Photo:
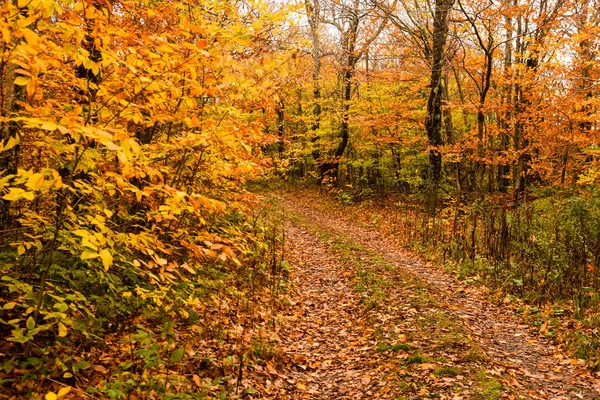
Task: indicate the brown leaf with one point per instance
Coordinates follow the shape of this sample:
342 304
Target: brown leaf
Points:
299 358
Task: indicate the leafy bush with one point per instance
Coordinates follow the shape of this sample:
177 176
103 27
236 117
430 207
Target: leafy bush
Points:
126 238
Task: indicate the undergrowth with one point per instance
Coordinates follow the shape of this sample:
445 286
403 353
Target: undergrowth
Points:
188 330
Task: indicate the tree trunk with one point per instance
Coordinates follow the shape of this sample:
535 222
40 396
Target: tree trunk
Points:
280 111
504 118
10 131
330 168
433 121
313 10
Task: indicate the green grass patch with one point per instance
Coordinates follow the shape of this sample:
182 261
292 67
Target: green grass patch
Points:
474 355
416 359
394 347
446 372
487 388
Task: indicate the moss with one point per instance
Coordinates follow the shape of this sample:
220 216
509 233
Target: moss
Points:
446 371
416 359
394 347
487 388
474 355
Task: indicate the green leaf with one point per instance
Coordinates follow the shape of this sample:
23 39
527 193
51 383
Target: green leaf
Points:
30 323
83 364
18 336
177 355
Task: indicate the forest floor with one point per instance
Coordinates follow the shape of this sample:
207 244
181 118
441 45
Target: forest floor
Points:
370 320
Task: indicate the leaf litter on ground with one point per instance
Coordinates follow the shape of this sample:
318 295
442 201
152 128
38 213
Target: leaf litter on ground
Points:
370 320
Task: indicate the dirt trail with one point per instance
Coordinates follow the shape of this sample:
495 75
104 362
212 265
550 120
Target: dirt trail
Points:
327 361
371 321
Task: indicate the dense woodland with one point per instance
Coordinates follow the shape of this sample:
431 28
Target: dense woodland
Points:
130 131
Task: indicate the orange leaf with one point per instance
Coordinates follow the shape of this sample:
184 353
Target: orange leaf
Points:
197 381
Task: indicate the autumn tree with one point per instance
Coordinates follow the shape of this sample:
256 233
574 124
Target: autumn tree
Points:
127 133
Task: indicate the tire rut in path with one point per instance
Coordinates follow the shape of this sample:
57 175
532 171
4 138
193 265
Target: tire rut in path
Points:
540 370
328 362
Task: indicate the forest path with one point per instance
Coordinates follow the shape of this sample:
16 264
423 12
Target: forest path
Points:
371 321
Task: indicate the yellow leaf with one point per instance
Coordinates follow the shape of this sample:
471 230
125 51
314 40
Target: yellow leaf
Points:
197 29
32 87
107 258
134 146
195 122
110 145
27 21
188 268
12 142
20 250
6 35
30 36
15 194
87 242
51 396
81 232
49 126
62 332
64 391
165 49
22 80
88 255
35 182
243 41
9 306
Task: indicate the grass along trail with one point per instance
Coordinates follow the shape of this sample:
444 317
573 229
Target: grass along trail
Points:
369 321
